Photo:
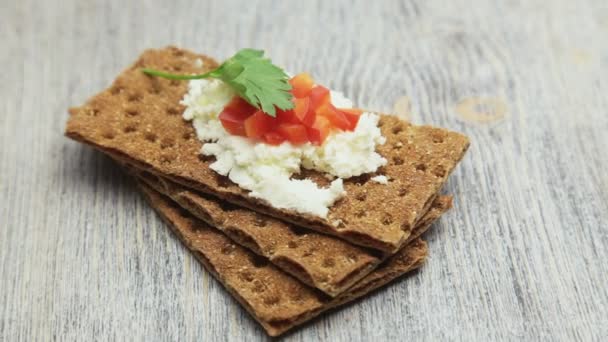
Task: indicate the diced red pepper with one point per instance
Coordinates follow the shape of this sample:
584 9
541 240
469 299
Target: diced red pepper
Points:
285 116
312 118
334 116
234 115
319 95
258 124
352 115
273 138
319 130
239 105
303 112
301 85
294 133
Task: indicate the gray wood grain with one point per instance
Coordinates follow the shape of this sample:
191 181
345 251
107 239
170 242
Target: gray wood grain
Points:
522 256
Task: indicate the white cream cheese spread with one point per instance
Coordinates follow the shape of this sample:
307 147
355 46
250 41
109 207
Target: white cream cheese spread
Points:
266 170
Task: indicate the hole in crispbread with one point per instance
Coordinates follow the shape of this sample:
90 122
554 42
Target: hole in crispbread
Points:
130 128
174 83
135 97
132 112
172 111
259 261
397 129
187 136
260 222
109 135
176 68
361 213
246 276
398 161
360 180
151 137
439 171
292 244
167 158
437 139
258 286
166 143
155 87
421 167
93 112
206 159
387 219
361 196
329 262
272 299
296 295
402 192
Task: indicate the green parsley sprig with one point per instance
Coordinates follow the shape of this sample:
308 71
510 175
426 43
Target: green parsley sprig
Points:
253 77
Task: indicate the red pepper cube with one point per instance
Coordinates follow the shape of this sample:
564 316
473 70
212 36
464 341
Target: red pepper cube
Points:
258 124
301 85
319 130
319 95
334 116
303 112
352 115
294 133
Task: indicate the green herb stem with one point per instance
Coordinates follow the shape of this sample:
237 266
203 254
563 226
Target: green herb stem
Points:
170 76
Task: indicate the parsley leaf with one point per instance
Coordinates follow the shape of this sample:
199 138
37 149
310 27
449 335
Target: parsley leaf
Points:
253 77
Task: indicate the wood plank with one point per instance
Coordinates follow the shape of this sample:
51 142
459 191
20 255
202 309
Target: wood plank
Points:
522 256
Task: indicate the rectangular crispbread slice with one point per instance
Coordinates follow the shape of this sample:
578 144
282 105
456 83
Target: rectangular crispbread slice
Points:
139 119
327 263
276 300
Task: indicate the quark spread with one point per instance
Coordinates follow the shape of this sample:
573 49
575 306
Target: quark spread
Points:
266 170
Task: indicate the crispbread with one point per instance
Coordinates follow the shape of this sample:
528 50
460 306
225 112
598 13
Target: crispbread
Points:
138 118
276 300
321 261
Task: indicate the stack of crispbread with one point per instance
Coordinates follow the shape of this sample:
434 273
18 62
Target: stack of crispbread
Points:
282 266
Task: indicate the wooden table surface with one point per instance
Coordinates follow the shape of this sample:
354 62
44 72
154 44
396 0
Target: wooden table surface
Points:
523 256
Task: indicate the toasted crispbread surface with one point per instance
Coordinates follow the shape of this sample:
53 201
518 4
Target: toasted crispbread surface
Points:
276 300
139 119
327 263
